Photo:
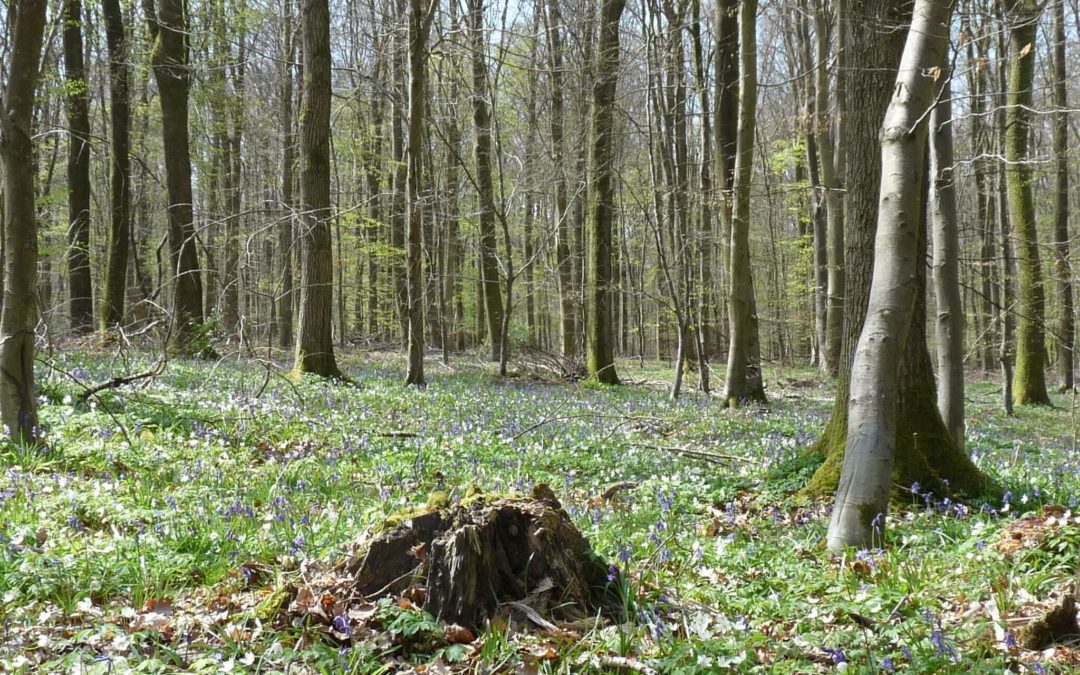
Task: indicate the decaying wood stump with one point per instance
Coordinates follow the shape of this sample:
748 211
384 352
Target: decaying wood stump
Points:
474 556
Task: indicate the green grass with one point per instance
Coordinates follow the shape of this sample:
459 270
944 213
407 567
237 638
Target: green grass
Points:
207 490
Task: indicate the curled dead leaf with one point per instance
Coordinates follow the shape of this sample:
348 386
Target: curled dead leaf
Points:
458 635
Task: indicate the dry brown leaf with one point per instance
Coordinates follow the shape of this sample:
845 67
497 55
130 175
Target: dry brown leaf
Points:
458 635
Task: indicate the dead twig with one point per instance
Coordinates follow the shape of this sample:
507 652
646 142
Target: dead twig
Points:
713 457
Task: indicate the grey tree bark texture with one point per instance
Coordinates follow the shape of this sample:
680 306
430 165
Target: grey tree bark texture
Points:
18 410
489 263
564 264
600 356
743 380
168 27
112 312
285 298
315 342
1066 329
420 15
946 265
862 499
81 297
1029 376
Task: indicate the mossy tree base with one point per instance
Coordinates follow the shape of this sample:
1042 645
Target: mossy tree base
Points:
925 453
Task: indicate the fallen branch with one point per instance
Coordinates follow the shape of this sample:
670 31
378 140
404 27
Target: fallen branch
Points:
713 457
607 661
118 382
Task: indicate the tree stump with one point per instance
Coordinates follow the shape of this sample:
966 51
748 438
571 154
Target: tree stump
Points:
488 550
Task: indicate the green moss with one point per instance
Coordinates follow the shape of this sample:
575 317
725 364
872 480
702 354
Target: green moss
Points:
272 605
1056 625
925 454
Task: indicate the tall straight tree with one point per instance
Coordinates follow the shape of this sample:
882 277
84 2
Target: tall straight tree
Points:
420 16
81 300
18 410
315 341
950 309
862 499
600 352
169 59
743 382
568 311
112 313
1029 376
489 264
1066 329
285 298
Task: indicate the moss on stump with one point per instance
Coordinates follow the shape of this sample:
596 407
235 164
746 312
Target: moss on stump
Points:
478 554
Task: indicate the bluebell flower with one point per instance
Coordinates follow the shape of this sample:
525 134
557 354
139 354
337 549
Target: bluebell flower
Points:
341 625
836 654
887 665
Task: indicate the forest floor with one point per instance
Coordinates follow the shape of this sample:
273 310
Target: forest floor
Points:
173 525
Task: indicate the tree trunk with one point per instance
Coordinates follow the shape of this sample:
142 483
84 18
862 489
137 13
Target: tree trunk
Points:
564 262
600 356
119 167
315 343
950 309
727 121
831 155
288 162
1029 377
1062 267
419 24
18 409
862 499
81 300
489 266
168 26
743 382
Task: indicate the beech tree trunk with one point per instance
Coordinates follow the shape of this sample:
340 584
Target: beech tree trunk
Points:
481 106
1029 376
600 353
1066 331
288 162
743 382
564 263
419 24
950 309
112 313
18 397
81 300
169 59
315 343
862 499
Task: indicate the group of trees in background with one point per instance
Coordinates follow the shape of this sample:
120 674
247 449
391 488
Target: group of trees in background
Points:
663 179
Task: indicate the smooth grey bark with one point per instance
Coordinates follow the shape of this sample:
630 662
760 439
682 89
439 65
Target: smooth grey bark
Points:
946 265
1029 377
81 300
420 17
1066 328
600 353
285 298
315 341
169 28
481 106
568 291
18 403
112 313
832 158
743 378
862 499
